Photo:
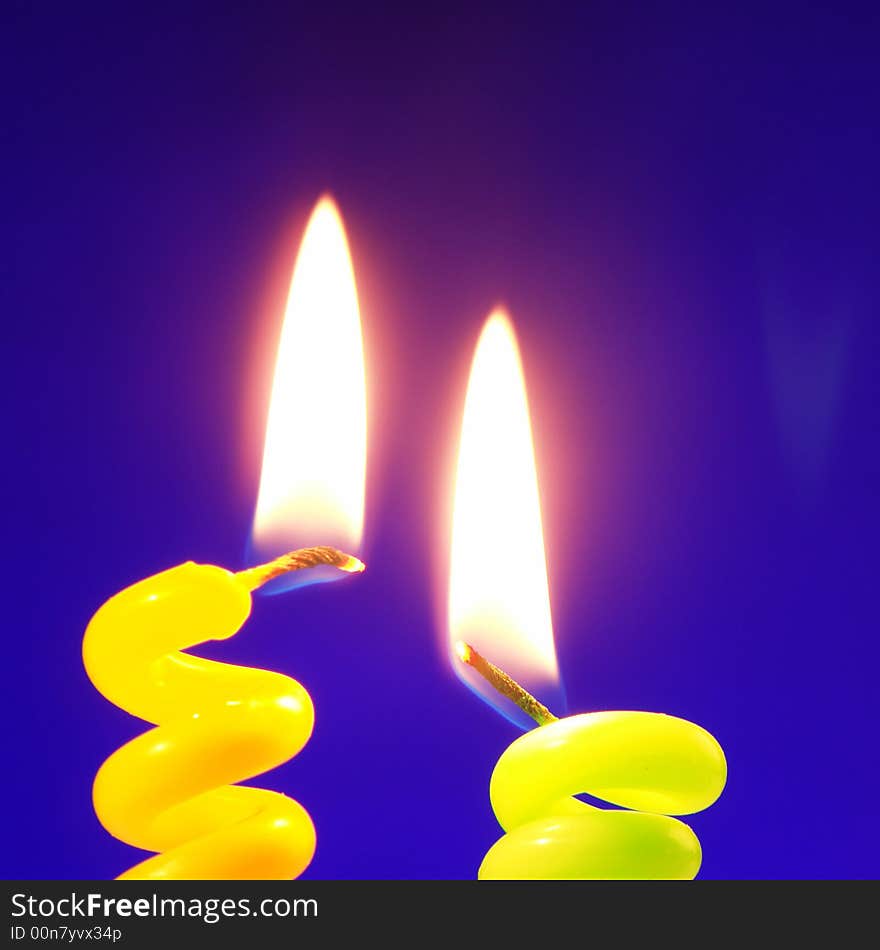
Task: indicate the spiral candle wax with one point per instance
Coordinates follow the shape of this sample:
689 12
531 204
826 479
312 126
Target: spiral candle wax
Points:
172 789
654 765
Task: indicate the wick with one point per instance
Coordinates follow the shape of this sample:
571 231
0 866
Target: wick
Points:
505 684
255 577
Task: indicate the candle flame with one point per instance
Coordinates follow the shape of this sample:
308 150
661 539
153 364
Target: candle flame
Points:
314 458
499 599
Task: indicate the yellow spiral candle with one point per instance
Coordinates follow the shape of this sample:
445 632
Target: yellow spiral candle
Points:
656 765
172 790
653 765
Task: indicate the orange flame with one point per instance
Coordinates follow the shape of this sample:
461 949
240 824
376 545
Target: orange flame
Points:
314 458
499 599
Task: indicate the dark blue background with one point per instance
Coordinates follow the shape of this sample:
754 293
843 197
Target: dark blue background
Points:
680 208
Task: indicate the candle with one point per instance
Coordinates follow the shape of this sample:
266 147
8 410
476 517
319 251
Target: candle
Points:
654 766
171 790
312 482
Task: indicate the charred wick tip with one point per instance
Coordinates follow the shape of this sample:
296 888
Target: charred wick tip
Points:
504 684
301 559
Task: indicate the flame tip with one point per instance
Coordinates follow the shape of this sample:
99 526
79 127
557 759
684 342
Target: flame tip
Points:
500 315
326 201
